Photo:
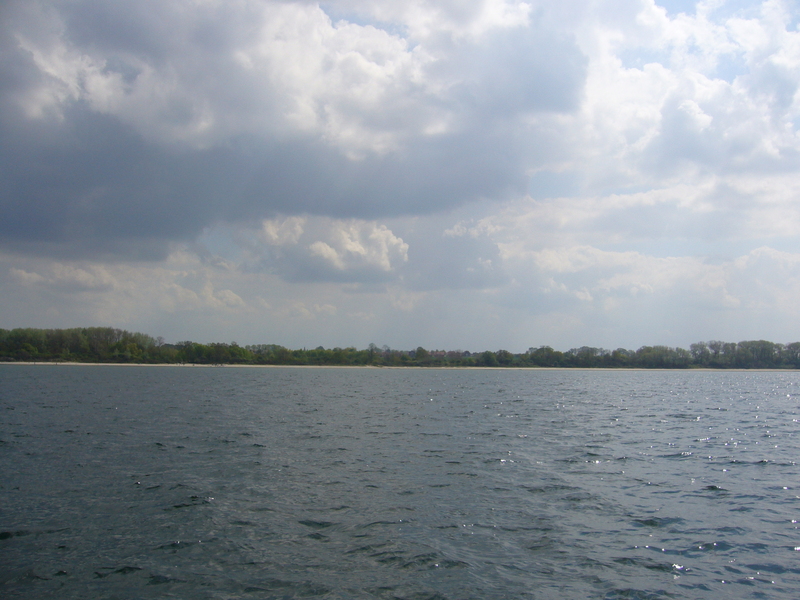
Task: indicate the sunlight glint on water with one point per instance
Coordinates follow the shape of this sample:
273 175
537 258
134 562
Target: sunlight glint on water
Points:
154 482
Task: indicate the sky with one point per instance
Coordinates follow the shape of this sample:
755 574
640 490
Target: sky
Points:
471 174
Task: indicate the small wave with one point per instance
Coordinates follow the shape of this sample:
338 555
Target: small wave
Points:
634 594
684 454
547 489
649 564
772 568
657 522
317 524
714 488
4 535
161 580
126 570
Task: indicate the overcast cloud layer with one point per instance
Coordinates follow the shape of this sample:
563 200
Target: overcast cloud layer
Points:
471 175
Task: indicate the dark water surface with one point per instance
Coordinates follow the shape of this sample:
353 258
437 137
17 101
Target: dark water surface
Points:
148 482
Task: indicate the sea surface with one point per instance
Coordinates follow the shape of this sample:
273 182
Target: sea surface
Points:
358 483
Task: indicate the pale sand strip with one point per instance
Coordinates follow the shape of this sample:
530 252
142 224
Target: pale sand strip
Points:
432 368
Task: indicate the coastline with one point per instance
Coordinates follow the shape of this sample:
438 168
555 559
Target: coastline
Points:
437 368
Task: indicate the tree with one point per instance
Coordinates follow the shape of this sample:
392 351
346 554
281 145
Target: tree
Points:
545 356
421 355
700 353
372 352
487 359
792 354
504 357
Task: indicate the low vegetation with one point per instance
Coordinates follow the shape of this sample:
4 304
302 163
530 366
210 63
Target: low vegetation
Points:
106 344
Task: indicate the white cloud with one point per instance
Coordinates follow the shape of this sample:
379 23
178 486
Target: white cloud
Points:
356 244
70 277
310 312
425 20
776 276
282 232
324 251
294 70
348 162
317 247
673 116
25 277
114 292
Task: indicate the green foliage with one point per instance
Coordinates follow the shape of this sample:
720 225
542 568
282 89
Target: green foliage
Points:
89 344
422 356
106 344
487 359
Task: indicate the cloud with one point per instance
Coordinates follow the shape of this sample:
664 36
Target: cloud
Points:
190 113
180 285
324 249
281 232
122 143
612 169
658 106
360 244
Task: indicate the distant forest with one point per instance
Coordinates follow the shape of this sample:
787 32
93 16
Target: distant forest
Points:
106 344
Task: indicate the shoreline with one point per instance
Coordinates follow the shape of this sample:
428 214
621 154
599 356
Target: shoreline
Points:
441 368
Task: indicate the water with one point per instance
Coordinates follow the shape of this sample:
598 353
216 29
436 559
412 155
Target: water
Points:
162 482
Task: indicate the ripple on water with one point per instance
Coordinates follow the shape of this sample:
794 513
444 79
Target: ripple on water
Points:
335 483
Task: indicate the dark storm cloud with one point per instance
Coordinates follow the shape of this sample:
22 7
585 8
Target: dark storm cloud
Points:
98 184
83 179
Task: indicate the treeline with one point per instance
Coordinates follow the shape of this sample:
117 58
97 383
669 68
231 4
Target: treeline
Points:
106 344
